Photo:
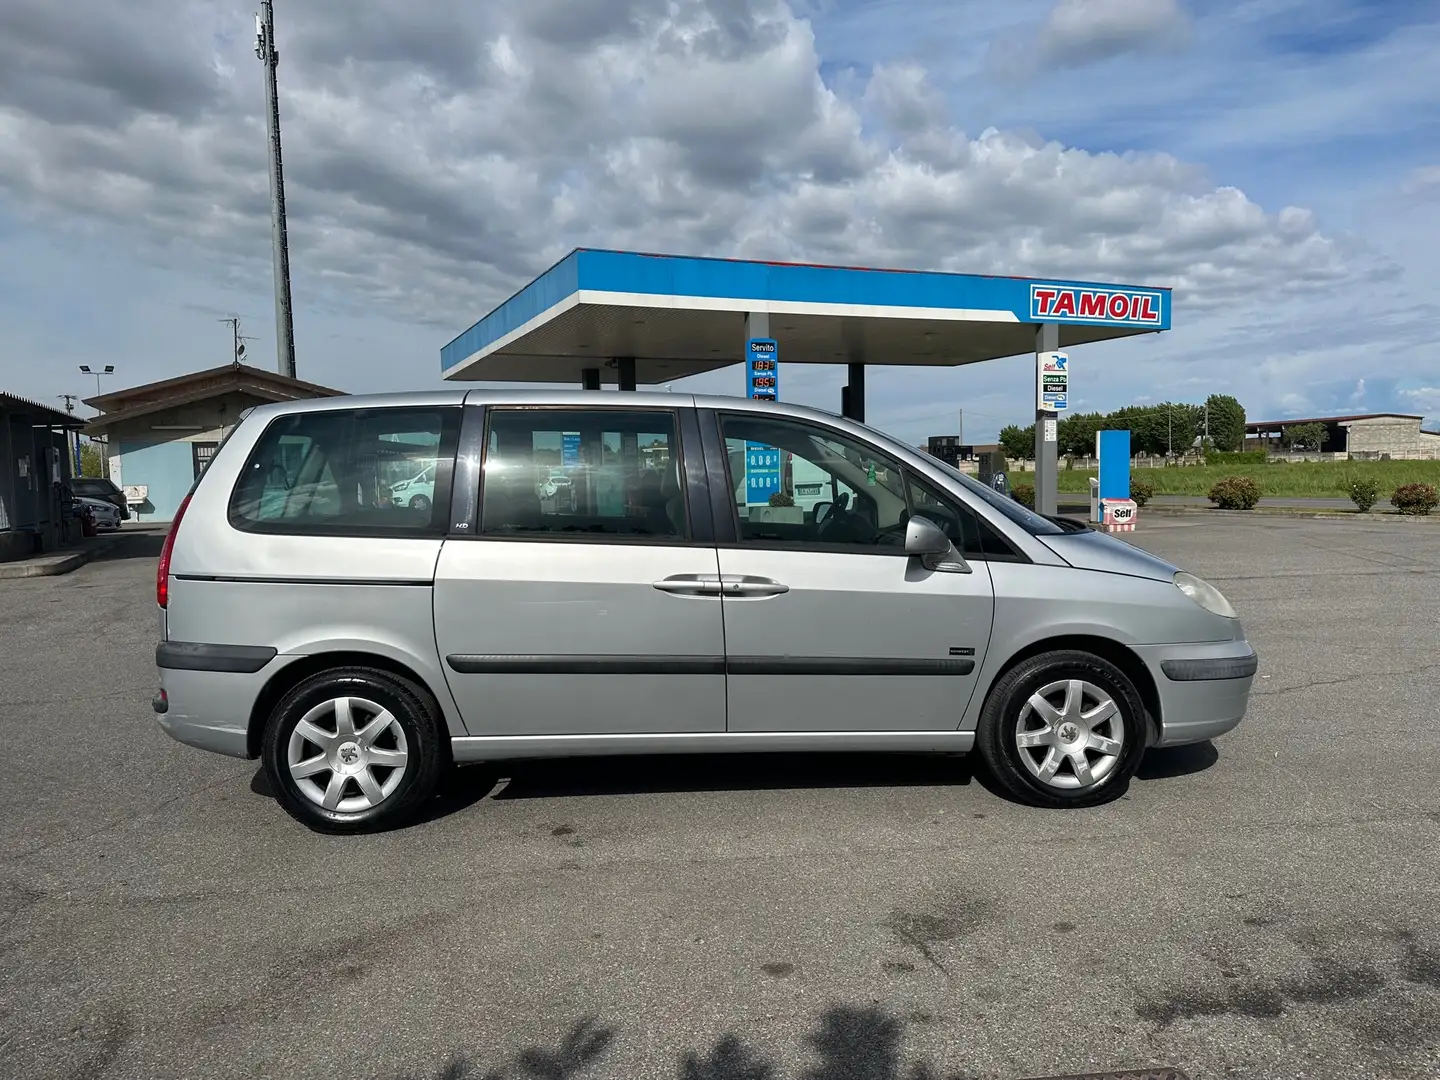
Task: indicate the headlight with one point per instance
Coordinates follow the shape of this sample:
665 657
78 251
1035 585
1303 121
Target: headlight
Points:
1204 594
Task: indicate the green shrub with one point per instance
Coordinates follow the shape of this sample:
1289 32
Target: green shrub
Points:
1235 493
781 498
1364 492
1024 494
1141 491
1237 457
1415 499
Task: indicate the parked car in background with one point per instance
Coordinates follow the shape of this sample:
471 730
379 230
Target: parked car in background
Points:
417 493
105 515
359 648
96 487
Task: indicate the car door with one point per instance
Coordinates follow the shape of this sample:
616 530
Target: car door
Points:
829 626
589 608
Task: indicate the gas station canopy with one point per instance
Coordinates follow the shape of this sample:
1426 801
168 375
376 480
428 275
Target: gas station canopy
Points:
656 318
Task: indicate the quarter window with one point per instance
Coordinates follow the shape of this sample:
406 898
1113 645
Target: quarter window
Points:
575 473
354 472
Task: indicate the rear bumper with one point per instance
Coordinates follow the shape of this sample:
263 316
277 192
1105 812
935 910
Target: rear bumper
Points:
1204 689
211 709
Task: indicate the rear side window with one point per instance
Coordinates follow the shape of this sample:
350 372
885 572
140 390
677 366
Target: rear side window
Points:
576 474
354 472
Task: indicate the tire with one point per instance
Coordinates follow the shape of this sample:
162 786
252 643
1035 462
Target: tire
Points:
420 503
378 776
1060 738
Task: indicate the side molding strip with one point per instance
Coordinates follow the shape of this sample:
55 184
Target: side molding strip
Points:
513 747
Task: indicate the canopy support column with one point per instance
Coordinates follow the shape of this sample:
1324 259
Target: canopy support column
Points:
852 398
590 378
625 366
1047 339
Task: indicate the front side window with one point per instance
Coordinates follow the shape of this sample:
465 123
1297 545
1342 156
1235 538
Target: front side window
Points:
794 482
974 538
576 473
360 472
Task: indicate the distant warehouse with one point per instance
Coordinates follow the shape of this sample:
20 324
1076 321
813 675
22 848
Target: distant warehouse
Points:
1367 435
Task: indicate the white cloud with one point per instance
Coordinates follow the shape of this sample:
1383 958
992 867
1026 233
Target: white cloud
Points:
1078 33
1426 399
1424 181
437 157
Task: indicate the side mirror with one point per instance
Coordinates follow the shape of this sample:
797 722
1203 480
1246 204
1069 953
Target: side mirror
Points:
927 541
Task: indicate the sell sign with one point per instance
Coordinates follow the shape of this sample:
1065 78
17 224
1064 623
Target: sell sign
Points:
1052 381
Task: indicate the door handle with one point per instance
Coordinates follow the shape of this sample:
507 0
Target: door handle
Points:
752 586
689 585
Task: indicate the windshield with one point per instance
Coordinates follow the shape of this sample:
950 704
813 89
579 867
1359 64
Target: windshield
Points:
1022 515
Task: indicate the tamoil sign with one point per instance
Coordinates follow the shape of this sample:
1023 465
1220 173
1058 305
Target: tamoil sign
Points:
1071 303
1052 381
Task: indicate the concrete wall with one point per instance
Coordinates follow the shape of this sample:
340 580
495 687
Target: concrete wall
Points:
165 467
1388 435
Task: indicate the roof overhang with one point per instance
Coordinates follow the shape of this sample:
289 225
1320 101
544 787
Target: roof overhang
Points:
679 316
263 393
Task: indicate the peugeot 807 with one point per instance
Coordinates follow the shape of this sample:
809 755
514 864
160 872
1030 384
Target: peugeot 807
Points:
359 645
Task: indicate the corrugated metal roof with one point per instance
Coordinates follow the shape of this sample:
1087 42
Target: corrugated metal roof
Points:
58 417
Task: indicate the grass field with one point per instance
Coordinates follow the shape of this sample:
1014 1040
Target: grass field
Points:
1293 480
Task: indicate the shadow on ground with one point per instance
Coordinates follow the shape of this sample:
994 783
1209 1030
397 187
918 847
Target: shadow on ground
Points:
135 542
657 774
848 1044
1164 762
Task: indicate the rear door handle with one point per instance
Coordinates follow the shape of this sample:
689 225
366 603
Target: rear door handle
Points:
746 585
689 584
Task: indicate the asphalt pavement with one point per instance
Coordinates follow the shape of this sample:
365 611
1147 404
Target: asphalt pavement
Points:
1264 906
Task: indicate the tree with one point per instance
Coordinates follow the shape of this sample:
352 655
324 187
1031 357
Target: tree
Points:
1017 442
1227 422
1304 436
90 460
1076 434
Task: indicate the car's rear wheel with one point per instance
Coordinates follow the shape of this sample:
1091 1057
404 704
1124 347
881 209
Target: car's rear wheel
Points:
354 750
1064 728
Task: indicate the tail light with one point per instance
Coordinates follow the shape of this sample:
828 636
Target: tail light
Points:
162 571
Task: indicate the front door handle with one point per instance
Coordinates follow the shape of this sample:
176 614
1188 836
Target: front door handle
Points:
689 584
746 585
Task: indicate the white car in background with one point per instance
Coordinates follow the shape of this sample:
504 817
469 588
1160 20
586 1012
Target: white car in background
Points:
106 514
418 492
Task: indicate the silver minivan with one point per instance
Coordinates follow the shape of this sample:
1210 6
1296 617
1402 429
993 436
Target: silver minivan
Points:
672 596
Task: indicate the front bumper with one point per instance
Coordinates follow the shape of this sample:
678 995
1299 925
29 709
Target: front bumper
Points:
1204 688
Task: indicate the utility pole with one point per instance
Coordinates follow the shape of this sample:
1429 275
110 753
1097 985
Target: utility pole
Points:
284 323
74 437
1170 429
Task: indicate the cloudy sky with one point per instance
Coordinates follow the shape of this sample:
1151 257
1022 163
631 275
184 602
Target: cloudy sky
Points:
1276 161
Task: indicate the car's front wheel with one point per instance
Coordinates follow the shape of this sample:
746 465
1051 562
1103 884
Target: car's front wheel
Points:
1063 729
354 749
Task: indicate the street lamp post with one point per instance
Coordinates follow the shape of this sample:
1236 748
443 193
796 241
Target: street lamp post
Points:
99 373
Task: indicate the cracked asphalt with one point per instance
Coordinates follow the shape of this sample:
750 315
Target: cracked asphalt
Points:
1261 907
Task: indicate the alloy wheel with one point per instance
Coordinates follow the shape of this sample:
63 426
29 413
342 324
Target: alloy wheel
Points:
347 754
1070 734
